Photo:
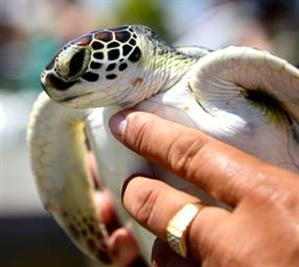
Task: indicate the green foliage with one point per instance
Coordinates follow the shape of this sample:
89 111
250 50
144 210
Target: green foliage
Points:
146 12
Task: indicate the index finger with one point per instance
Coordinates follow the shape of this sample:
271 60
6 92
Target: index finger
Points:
221 170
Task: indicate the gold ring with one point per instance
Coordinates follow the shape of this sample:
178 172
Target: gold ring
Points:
178 227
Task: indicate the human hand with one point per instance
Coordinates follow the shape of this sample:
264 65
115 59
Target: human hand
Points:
121 243
261 229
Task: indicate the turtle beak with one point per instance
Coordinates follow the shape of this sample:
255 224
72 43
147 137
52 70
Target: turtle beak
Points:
43 81
52 82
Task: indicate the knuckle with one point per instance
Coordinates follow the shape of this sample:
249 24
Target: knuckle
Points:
289 200
184 154
145 204
269 196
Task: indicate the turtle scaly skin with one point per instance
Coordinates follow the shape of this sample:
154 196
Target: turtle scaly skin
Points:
242 96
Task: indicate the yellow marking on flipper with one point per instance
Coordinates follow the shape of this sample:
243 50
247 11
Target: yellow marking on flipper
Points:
76 212
186 108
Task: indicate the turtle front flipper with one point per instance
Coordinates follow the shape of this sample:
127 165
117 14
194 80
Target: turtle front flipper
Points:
244 69
58 156
253 97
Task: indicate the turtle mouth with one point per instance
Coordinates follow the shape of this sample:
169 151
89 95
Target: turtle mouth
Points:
70 99
52 81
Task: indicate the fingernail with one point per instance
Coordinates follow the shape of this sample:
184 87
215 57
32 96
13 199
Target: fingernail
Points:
125 184
118 125
129 179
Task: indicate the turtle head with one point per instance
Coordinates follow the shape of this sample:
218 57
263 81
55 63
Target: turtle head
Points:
102 68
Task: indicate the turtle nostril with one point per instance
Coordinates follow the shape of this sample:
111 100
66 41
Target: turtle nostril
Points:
50 64
76 63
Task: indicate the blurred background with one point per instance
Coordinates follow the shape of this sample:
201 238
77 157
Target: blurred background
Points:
30 33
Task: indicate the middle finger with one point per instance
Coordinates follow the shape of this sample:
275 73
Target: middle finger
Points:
153 204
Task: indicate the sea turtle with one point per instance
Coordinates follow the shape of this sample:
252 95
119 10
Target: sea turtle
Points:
240 95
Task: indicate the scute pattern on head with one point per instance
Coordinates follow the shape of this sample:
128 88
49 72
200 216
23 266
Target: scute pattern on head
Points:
126 49
113 46
95 65
98 55
122 66
111 76
122 36
97 45
113 54
90 76
135 55
104 36
82 40
111 67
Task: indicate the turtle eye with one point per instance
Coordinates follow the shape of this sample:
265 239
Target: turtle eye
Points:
76 63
